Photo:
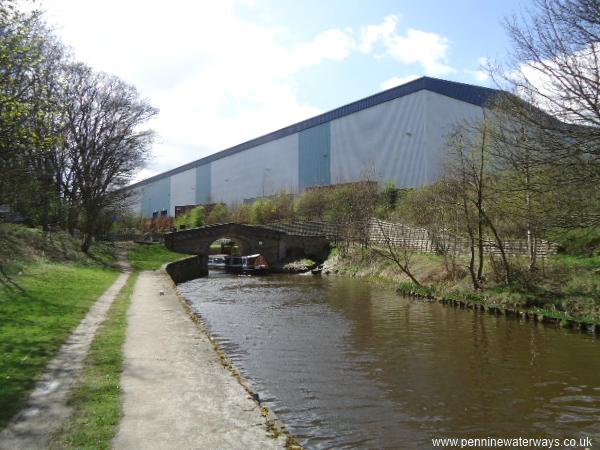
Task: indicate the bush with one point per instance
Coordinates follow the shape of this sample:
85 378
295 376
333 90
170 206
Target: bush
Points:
218 214
241 213
193 219
313 204
579 241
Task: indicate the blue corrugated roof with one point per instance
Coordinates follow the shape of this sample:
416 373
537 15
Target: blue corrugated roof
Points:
476 95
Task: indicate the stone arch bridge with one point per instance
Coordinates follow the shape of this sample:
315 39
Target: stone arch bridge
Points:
274 243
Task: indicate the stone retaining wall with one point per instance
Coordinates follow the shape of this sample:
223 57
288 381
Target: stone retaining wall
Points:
188 269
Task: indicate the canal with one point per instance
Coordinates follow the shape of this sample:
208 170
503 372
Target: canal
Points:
350 364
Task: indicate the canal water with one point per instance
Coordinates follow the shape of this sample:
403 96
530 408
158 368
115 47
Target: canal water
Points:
350 364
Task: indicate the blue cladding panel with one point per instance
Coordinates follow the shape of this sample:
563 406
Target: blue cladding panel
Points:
156 196
203 184
314 158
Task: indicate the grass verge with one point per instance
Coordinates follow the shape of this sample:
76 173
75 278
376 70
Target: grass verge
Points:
39 308
97 398
151 256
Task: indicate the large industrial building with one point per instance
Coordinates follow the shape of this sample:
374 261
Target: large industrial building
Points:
399 135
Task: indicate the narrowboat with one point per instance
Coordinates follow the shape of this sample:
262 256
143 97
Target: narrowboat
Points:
218 262
255 264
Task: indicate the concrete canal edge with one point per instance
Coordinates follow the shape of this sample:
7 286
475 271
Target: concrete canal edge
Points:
192 268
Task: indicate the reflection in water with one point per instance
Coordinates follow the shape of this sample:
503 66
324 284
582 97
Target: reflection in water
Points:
350 364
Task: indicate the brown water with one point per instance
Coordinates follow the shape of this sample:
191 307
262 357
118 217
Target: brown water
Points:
349 364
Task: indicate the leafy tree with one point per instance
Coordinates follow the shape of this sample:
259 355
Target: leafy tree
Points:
30 113
192 219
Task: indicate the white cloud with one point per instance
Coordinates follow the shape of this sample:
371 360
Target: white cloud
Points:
332 44
217 78
397 81
374 33
481 74
416 46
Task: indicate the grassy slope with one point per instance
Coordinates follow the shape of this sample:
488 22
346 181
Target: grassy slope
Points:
97 399
45 291
151 256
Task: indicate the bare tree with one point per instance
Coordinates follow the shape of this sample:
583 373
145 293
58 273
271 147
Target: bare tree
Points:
555 73
469 172
104 143
398 249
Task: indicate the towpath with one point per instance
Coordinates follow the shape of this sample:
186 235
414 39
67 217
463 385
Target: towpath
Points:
177 394
47 409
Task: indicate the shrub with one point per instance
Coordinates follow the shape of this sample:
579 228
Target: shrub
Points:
218 214
578 241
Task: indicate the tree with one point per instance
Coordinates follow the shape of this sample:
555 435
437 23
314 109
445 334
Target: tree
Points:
312 204
396 248
192 219
104 143
435 208
555 69
473 182
30 113
218 214
388 199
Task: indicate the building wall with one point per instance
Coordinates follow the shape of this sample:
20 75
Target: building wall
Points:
183 189
314 156
203 181
258 171
156 196
443 115
385 141
134 200
404 140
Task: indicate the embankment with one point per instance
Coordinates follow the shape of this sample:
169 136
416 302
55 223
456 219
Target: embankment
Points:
566 294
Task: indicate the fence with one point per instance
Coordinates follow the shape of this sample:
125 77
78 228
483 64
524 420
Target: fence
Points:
418 240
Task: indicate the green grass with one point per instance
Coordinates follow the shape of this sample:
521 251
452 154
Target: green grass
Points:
151 256
573 262
39 309
96 401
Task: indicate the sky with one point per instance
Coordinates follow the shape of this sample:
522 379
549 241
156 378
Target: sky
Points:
222 72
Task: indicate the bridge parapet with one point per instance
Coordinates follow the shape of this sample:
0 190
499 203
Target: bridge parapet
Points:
274 244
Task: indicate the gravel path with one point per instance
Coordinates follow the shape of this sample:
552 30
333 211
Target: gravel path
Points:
47 409
177 394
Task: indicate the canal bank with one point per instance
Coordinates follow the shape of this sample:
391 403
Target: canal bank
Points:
571 300
350 364
177 390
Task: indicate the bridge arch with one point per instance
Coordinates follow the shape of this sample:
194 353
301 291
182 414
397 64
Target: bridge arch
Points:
243 243
255 239
274 245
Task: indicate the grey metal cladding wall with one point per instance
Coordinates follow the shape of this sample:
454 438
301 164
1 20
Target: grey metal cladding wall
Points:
386 139
203 183
261 170
314 156
443 115
156 196
183 189
475 95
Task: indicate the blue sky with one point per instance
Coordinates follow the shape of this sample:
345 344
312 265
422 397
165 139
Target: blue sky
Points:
225 71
